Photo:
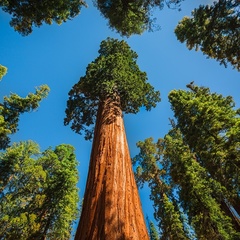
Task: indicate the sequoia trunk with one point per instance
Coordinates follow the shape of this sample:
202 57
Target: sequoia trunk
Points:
111 207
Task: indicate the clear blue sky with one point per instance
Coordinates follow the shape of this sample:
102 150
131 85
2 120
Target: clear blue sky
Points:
58 56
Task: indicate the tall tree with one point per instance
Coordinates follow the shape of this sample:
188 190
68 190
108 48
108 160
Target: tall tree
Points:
151 169
210 124
113 84
38 193
29 13
215 30
197 191
12 107
129 16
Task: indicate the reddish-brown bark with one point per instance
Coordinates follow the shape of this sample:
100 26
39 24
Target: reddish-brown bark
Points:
111 207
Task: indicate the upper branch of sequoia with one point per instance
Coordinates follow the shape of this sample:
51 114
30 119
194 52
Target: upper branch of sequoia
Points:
114 75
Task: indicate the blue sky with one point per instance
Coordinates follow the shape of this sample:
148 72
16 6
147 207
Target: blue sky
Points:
58 56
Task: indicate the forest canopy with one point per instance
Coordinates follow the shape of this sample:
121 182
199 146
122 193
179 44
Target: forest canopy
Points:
27 14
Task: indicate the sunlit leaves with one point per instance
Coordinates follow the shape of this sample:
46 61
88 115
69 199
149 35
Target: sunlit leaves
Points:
38 197
3 71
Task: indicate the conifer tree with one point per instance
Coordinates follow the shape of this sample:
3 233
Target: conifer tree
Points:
38 193
215 30
150 169
197 191
113 85
210 124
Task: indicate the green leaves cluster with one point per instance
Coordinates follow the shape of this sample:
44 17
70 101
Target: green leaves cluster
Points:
215 30
113 75
12 107
193 172
131 17
29 13
38 193
3 71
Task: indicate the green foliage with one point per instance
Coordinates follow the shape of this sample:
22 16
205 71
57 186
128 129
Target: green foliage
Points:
113 75
129 16
29 13
151 169
196 191
12 107
3 71
38 193
153 231
215 29
211 127
193 173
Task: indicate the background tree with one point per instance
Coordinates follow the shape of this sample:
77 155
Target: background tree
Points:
12 107
113 84
131 17
38 198
215 30
199 159
197 191
29 13
151 169
210 126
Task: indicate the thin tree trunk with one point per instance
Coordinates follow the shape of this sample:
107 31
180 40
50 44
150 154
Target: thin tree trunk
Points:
111 206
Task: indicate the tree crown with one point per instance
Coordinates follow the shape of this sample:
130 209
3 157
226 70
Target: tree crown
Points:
113 74
131 17
29 13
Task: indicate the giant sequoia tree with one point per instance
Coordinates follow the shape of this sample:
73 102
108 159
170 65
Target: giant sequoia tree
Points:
215 30
113 84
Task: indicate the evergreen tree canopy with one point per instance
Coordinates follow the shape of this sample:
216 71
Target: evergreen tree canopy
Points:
38 193
114 74
129 16
215 30
3 71
29 13
193 172
12 107
211 127
197 191
151 169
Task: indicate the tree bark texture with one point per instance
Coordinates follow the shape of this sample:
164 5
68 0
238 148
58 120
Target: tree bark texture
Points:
111 206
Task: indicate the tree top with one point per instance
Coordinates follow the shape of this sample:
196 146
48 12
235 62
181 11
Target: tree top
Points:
113 74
